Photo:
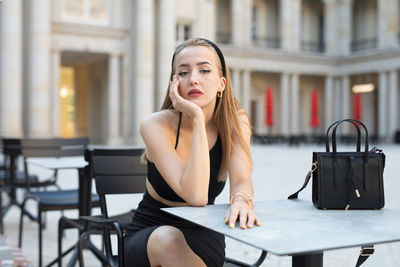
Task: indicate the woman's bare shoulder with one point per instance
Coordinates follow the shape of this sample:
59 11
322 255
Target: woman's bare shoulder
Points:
158 132
162 122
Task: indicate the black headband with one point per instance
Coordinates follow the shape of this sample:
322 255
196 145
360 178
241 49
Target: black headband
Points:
219 53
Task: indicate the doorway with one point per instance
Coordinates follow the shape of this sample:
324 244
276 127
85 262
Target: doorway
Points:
82 95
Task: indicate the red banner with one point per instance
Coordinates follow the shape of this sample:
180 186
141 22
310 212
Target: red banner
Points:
357 106
269 107
314 109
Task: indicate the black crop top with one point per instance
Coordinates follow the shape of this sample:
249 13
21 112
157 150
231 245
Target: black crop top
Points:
215 187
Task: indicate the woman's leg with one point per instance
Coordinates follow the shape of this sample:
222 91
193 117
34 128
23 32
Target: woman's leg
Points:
167 247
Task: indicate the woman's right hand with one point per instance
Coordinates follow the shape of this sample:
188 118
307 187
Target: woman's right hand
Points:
181 104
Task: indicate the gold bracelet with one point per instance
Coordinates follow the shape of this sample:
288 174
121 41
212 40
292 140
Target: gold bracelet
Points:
244 195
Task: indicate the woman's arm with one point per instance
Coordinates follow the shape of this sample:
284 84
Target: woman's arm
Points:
189 181
241 186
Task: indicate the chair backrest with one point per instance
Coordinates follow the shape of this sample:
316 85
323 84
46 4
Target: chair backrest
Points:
11 152
118 171
54 147
11 146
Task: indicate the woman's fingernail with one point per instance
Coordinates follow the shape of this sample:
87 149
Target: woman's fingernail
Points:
258 223
250 226
232 226
243 226
226 220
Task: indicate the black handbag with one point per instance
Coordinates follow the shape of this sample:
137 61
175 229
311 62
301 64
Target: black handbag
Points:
347 180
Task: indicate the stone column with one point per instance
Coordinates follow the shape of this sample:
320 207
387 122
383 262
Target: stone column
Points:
235 79
55 91
113 100
345 26
329 100
393 102
290 21
388 22
246 91
331 27
38 72
165 48
295 111
246 22
126 103
206 11
142 65
237 21
11 68
382 95
285 101
241 22
337 87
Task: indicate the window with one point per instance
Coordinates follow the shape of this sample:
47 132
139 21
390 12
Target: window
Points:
86 11
183 32
254 21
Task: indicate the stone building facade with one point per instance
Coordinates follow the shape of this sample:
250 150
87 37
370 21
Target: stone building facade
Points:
97 67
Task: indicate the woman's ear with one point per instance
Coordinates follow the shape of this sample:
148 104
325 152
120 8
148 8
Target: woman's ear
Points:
223 84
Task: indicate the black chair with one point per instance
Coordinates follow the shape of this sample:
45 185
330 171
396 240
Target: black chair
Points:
55 199
116 171
122 160
119 171
11 178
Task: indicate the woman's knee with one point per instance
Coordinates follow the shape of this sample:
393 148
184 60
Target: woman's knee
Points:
167 242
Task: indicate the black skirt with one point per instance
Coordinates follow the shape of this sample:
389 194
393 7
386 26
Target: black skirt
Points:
208 245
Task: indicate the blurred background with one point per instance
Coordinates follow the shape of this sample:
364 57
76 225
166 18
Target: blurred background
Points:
97 67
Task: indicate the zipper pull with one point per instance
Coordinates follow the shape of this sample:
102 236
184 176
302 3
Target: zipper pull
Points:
357 193
351 175
355 187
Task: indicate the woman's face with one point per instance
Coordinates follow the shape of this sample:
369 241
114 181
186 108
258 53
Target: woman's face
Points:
197 68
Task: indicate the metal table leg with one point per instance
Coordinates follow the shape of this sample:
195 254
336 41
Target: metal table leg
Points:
308 260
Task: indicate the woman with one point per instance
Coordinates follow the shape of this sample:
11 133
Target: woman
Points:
200 135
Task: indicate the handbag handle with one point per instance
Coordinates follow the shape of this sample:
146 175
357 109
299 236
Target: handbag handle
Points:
334 137
340 121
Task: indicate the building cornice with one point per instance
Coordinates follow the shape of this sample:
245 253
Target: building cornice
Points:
269 60
88 30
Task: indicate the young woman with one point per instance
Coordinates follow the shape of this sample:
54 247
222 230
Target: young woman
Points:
200 135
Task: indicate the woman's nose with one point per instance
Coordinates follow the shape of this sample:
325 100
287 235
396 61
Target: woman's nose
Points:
194 78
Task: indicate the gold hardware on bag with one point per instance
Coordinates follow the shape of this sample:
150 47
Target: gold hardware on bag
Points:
347 207
357 193
313 166
367 251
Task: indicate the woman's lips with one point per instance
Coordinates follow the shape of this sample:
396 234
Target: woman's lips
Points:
195 92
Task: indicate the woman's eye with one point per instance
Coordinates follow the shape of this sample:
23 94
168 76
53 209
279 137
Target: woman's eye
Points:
205 71
183 73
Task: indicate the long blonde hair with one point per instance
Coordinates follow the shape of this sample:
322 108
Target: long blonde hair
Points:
226 113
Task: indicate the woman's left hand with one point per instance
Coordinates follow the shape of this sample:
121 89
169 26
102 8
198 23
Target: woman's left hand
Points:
241 210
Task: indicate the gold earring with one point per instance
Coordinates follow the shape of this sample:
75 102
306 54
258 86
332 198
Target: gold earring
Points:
219 94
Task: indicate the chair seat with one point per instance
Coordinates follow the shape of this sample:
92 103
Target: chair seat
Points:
62 199
123 219
20 181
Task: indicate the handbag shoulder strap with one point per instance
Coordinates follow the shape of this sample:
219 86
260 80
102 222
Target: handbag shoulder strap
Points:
306 180
365 252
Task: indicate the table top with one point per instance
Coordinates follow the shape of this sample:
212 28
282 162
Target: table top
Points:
294 227
59 163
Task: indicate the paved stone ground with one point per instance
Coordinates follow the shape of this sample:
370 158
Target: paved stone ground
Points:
278 171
